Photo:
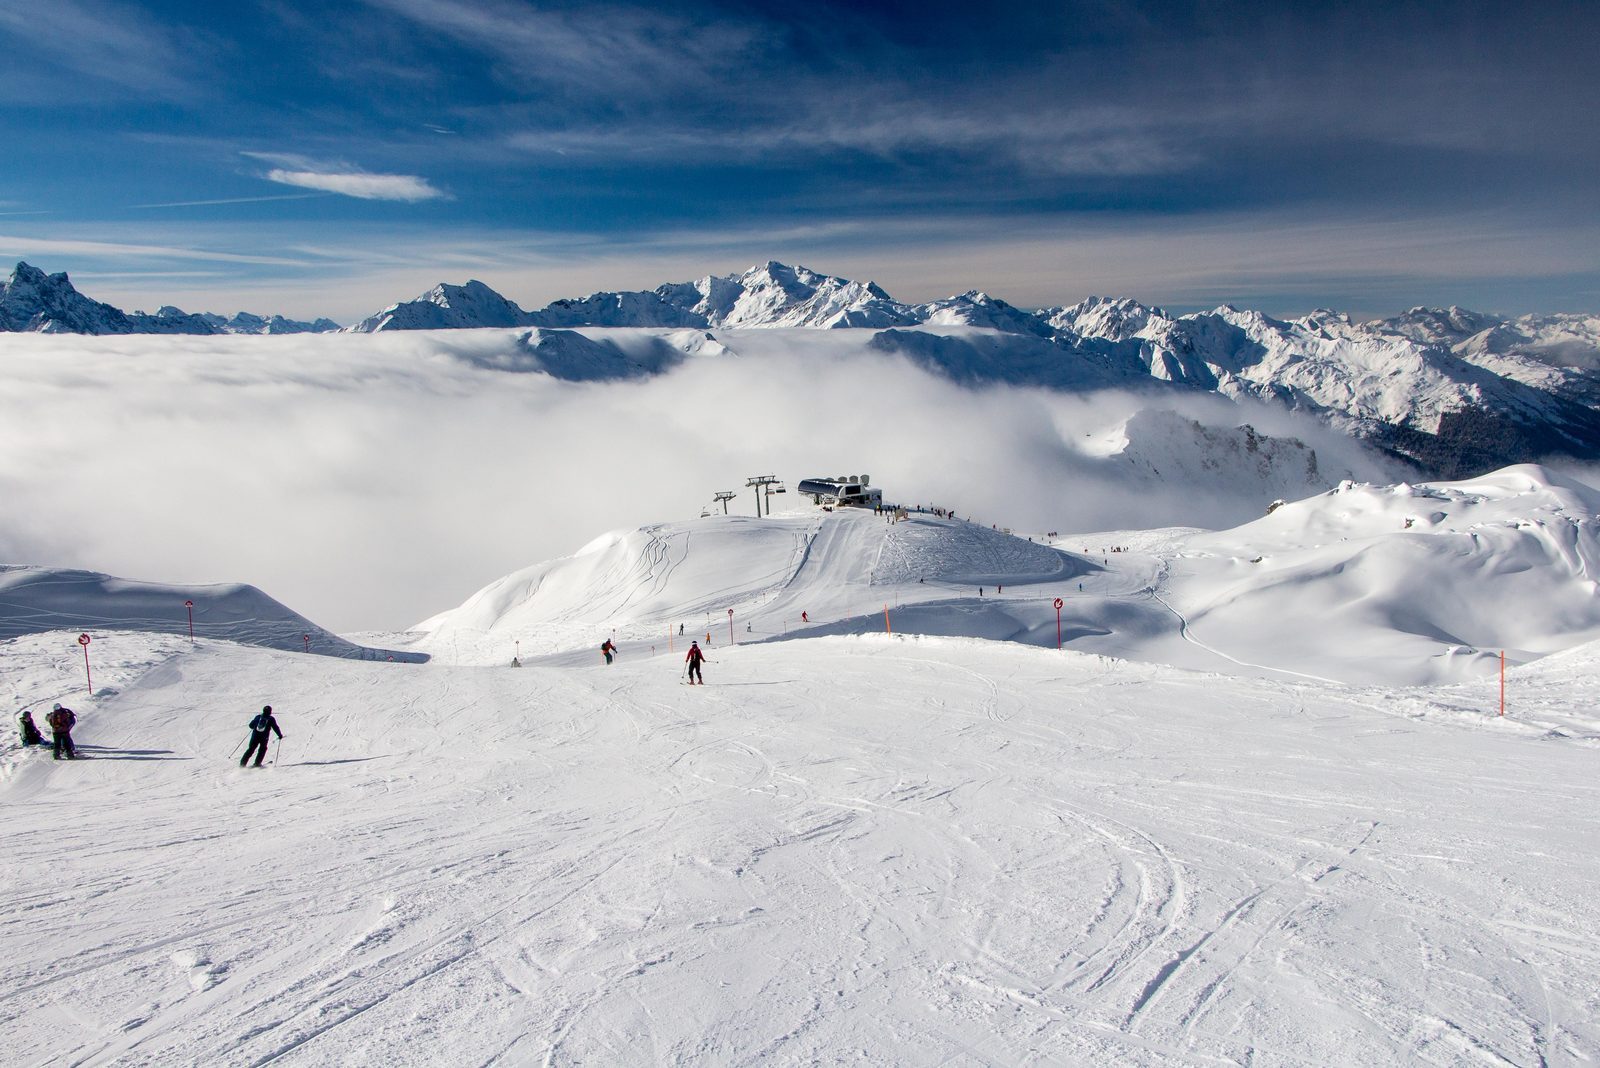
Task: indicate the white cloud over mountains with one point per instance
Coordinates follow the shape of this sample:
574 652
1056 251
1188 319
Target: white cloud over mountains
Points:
319 467
406 187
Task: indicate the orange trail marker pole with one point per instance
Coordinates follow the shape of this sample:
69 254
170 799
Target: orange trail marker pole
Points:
886 628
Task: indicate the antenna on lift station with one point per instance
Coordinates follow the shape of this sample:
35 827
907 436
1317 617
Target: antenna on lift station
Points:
756 482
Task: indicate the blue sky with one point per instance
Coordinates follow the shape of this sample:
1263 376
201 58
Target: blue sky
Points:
328 159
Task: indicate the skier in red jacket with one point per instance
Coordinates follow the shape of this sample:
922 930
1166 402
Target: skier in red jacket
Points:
61 721
694 658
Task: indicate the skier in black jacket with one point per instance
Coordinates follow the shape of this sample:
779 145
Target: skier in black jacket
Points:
261 728
30 729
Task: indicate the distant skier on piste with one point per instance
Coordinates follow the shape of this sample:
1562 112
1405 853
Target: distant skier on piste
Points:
694 658
61 721
608 649
30 729
261 729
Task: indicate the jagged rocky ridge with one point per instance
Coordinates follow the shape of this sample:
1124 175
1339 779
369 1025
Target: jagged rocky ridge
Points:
32 301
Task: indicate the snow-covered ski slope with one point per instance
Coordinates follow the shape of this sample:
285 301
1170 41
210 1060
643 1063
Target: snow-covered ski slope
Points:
879 849
851 845
1364 584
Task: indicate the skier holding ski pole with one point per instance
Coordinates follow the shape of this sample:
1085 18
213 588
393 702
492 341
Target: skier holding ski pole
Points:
693 659
261 730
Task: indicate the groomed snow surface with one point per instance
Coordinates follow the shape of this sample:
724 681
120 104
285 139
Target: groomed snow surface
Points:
1260 810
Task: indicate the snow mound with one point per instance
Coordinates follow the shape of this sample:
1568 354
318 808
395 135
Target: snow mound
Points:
640 585
38 599
1403 583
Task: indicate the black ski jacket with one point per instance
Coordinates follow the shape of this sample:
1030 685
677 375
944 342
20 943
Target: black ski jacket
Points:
264 723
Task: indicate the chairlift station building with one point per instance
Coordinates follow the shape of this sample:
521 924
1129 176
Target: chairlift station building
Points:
842 491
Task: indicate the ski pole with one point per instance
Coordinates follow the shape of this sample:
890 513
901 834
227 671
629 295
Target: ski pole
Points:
235 749
276 750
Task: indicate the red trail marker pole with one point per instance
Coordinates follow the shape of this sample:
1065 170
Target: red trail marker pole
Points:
1058 624
83 640
190 606
1502 682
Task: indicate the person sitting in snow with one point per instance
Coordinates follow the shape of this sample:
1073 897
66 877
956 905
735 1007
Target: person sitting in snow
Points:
30 730
61 721
261 729
608 649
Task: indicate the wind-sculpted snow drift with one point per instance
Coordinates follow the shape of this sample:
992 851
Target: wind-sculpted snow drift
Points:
34 600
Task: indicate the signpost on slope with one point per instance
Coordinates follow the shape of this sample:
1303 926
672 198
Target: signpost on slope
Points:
307 639
1058 624
83 640
190 606
730 626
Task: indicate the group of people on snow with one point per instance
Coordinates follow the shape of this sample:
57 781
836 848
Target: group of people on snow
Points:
60 721
693 659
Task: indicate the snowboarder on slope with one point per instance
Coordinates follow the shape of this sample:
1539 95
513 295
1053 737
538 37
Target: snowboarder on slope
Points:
261 729
694 658
61 721
608 649
30 730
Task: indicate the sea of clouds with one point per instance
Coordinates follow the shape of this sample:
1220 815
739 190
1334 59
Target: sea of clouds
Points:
370 481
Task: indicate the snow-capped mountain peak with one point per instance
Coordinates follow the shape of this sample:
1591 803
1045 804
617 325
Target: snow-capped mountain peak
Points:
34 302
447 306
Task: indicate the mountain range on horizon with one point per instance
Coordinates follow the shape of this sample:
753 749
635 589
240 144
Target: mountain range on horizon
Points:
34 302
1451 391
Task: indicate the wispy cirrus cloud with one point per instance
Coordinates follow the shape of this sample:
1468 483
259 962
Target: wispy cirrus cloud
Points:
347 180
406 187
99 40
612 51
24 246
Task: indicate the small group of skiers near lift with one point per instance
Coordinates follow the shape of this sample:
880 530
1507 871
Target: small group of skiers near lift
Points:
60 721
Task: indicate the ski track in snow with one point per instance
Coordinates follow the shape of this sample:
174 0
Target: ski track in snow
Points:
1000 855
890 849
